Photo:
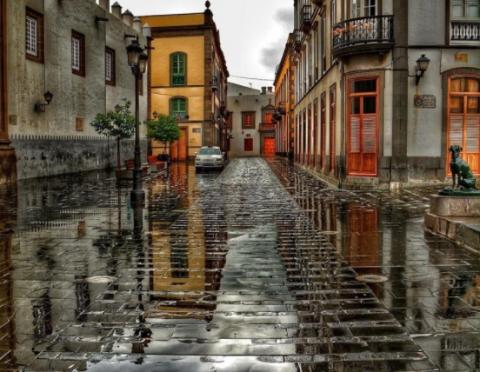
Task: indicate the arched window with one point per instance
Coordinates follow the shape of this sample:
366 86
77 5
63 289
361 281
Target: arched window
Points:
178 69
178 108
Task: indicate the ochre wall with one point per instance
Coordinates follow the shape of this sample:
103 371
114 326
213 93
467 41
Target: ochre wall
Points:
174 20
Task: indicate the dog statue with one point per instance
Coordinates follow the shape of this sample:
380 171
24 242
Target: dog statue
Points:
461 173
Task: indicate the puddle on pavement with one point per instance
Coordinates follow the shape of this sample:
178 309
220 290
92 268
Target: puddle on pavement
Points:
228 273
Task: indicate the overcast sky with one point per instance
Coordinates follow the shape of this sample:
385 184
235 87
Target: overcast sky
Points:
253 32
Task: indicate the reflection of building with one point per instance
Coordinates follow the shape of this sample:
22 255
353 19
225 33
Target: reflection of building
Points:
252 120
367 111
7 327
74 51
285 101
188 79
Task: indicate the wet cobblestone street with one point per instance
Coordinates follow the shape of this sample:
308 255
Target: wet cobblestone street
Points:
260 268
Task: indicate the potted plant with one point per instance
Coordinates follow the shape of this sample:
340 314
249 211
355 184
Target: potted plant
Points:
164 129
119 123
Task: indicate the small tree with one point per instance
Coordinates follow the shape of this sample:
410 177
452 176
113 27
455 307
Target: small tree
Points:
118 123
164 129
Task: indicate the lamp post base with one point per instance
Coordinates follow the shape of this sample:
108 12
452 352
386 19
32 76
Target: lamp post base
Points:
137 198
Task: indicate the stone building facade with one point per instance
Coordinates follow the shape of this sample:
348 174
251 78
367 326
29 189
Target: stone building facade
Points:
64 48
363 118
251 119
188 80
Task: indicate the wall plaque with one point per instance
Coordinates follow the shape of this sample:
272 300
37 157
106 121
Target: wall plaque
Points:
425 101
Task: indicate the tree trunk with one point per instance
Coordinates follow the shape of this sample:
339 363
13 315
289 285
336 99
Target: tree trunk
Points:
118 154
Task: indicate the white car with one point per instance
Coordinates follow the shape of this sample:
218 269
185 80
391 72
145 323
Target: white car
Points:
209 158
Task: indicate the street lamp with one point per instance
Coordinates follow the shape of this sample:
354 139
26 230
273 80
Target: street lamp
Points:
137 60
422 65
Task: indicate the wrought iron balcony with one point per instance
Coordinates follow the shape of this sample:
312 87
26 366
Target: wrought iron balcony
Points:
363 35
307 17
465 31
297 40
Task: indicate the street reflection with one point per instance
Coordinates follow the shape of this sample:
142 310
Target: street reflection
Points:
431 286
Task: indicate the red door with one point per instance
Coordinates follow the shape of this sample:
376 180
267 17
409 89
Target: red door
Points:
269 146
464 120
362 128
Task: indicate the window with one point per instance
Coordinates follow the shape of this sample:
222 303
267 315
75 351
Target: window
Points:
78 53
248 120
178 108
363 8
268 117
465 8
110 73
333 11
34 36
248 144
178 69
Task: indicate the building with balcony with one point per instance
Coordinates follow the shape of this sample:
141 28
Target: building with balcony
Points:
285 101
188 80
381 93
251 119
62 63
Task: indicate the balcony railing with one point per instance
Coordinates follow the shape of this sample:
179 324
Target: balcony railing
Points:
297 40
465 31
363 35
267 127
307 17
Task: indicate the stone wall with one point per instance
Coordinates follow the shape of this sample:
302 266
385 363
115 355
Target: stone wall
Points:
61 140
42 156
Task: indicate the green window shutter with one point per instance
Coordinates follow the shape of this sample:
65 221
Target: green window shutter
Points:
179 70
179 108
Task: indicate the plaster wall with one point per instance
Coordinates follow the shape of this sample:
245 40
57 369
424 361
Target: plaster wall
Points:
237 105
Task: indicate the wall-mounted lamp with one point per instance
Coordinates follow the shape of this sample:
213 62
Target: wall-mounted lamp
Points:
40 106
422 65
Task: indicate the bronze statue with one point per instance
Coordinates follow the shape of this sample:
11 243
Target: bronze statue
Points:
464 183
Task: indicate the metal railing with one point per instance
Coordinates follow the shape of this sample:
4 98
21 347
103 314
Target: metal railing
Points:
361 31
465 31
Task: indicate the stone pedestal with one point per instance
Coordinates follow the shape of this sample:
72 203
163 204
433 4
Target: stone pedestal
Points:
8 165
456 218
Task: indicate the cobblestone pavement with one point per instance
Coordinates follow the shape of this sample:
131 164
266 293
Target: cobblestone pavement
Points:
238 272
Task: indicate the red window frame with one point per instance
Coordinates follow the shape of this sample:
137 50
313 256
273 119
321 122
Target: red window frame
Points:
248 119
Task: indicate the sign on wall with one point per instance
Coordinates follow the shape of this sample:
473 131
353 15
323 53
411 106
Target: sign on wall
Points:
428 101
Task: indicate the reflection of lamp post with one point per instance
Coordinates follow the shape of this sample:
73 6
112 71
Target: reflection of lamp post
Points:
137 60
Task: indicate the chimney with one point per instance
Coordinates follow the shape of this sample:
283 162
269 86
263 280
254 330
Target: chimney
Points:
264 90
137 25
127 18
117 10
105 4
270 89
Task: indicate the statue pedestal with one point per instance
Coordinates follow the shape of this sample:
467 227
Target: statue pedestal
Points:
456 218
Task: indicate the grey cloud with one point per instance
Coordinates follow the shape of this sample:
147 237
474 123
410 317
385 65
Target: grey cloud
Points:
270 56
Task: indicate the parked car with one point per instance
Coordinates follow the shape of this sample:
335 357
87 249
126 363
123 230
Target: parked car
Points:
209 158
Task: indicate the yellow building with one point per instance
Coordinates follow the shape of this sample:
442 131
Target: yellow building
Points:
188 79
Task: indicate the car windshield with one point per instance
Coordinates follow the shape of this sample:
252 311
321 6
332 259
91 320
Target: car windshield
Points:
210 151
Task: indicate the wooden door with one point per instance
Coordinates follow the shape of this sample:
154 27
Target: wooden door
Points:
269 146
362 127
179 149
464 120
333 113
323 124
315 133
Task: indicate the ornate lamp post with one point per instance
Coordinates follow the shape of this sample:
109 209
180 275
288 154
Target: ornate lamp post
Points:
137 60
